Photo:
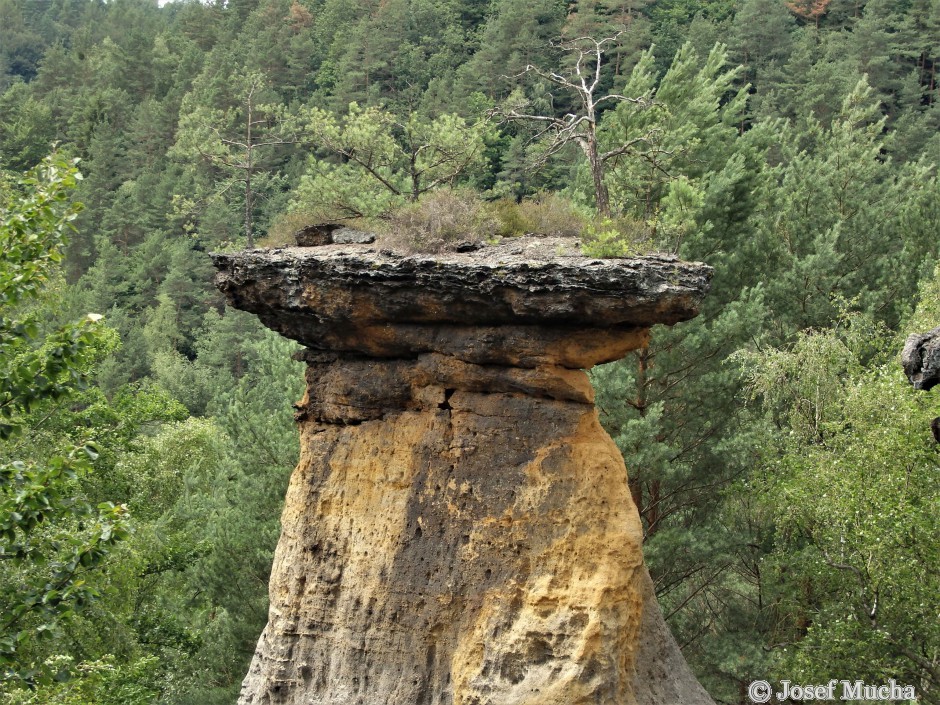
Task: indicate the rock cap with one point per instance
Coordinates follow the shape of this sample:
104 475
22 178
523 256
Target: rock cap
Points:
525 301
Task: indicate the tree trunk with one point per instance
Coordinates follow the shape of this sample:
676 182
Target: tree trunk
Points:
249 196
597 172
635 482
249 205
415 178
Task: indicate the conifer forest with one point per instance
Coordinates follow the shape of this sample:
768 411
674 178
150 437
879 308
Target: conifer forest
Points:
783 465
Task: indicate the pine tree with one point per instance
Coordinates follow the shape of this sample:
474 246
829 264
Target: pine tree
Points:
236 143
517 34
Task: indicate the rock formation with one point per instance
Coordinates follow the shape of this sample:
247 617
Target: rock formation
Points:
459 530
921 359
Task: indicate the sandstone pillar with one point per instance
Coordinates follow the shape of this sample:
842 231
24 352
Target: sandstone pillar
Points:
459 529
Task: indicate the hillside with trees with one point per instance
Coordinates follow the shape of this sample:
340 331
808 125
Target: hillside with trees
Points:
784 469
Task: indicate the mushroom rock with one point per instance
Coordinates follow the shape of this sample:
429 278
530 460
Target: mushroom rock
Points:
459 529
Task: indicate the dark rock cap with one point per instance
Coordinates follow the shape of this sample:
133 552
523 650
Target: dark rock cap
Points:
530 299
921 359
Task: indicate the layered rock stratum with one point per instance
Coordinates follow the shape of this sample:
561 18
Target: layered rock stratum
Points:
459 529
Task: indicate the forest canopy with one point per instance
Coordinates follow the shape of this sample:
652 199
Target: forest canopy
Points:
783 467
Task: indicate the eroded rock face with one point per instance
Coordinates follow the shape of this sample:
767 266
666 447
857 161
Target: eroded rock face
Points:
921 359
459 530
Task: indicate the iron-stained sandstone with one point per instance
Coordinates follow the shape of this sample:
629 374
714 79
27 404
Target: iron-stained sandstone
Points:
459 530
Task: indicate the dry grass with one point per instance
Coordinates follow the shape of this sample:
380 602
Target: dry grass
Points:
443 219
547 214
281 232
440 221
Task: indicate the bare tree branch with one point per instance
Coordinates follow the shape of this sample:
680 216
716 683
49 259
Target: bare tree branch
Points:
580 128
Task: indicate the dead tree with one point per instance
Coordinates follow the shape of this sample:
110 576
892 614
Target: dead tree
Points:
579 128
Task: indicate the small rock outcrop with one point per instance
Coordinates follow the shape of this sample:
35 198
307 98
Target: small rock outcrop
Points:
331 233
921 359
459 529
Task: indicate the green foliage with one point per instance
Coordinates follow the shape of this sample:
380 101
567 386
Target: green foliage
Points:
50 536
843 220
330 192
927 312
236 141
515 35
100 682
623 237
821 189
852 492
26 130
401 158
679 135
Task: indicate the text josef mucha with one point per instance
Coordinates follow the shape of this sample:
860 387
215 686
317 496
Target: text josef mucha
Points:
844 690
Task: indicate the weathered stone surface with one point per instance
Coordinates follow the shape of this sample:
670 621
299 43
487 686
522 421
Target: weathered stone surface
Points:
315 235
349 236
331 233
921 359
361 390
661 676
459 530
361 299
454 556
519 346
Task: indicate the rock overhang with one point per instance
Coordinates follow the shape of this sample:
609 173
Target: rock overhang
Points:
524 302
